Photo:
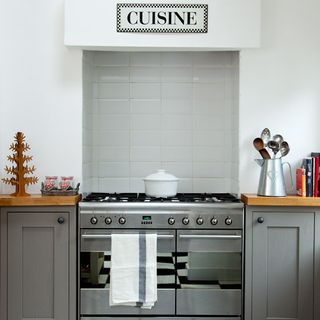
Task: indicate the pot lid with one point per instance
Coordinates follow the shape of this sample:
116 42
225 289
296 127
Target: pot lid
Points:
161 175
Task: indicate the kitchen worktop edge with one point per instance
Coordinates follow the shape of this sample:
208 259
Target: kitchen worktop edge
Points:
290 200
38 200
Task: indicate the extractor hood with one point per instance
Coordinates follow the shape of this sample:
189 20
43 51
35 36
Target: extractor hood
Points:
195 25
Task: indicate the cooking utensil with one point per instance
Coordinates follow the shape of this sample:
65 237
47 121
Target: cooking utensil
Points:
161 184
274 146
259 145
265 135
277 138
284 148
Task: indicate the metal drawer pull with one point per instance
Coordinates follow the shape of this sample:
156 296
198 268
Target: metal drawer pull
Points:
210 236
108 236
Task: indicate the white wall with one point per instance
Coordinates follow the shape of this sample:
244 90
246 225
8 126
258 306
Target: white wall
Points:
40 88
40 80
280 84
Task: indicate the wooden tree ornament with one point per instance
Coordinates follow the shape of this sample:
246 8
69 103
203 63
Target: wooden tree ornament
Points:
19 147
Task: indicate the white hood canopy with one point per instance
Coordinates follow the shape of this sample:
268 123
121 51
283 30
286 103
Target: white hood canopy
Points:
162 25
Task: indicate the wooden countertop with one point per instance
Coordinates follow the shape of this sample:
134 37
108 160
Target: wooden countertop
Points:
290 200
38 200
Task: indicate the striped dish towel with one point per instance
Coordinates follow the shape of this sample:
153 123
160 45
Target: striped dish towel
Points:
133 274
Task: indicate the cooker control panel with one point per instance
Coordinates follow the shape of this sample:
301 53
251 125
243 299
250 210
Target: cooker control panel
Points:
210 219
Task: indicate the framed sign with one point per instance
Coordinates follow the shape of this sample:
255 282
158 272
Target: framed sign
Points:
162 18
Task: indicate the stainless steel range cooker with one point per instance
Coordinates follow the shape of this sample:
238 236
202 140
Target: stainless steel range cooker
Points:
199 259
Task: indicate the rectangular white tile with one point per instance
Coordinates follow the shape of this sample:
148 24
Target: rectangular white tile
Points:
145 91
176 74
177 122
145 106
208 138
210 185
114 122
176 106
185 185
137 185
113 91
207 74
145 122
208 123
112 74
179 169
114 153
114 184
145 154
145 58
145 74
145 138
201 105
109 138
143 169
111 106
208 169
210 91
177 90
177 138
208 153
212 58
114 169
176 58
110 58
176 154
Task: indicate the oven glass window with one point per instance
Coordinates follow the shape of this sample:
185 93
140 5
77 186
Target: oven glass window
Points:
95 269
215 270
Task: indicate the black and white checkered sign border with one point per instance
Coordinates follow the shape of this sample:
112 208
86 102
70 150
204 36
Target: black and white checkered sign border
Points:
163 5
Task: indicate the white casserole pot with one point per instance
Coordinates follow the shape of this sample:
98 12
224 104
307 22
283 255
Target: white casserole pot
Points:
161 184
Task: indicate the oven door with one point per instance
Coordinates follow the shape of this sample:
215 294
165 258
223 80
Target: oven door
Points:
209 267
95 255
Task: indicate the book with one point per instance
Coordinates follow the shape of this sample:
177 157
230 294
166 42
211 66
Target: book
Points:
301 182
316 156
308 165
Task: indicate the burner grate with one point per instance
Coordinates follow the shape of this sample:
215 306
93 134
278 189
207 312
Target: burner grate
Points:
179 198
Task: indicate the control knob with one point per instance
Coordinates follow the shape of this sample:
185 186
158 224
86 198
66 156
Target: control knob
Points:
185 221
228 221
171 221
93 220
122 220
214 221
108 220
199 221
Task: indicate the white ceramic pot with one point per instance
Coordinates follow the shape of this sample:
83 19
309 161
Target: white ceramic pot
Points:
161 184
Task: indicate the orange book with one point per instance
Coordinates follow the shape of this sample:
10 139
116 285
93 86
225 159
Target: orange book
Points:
301 182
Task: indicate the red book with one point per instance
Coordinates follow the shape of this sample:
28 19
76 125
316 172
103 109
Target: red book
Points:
316 174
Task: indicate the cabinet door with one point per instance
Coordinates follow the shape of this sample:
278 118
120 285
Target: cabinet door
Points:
282 265
37 265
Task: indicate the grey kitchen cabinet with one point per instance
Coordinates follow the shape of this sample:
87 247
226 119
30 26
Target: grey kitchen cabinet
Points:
38 263
282 254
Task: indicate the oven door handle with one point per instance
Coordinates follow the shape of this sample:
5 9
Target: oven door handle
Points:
211 236
108 236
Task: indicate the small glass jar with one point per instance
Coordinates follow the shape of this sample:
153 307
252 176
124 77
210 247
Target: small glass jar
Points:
50 183
66 183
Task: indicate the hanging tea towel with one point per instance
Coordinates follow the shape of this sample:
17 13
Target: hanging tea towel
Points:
133 273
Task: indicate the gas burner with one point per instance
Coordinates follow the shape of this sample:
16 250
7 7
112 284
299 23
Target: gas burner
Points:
179 198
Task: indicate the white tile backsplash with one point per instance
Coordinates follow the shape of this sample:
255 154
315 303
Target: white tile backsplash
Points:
145 90
149 110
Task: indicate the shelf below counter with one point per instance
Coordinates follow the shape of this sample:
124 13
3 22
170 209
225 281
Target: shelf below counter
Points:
288 201
38 200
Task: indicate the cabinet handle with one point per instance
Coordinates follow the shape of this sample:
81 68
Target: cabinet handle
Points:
260 220
60 220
